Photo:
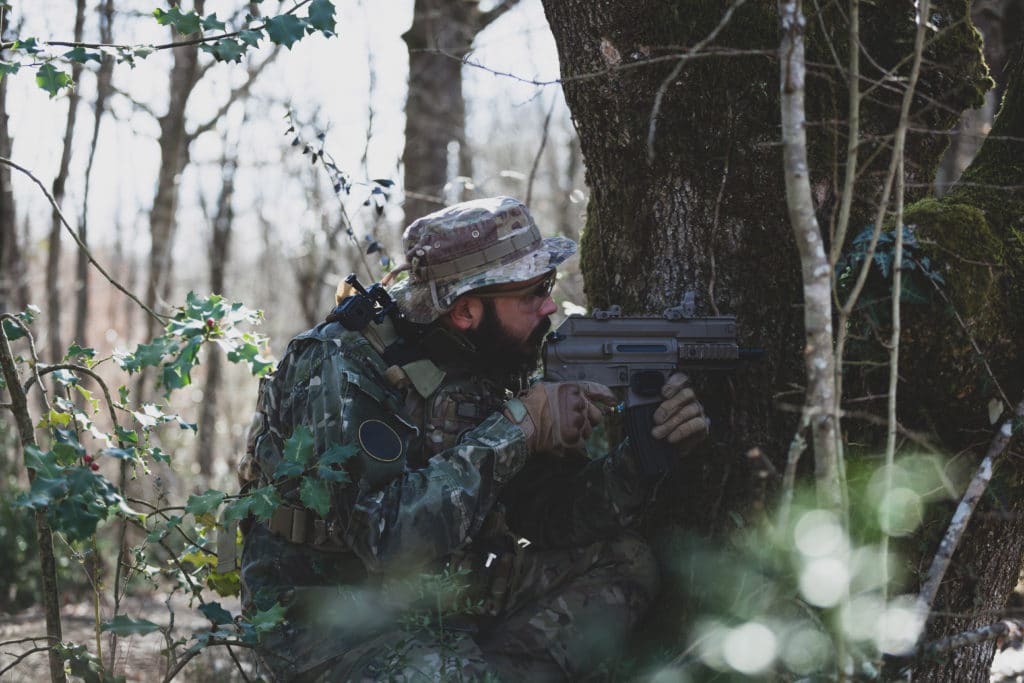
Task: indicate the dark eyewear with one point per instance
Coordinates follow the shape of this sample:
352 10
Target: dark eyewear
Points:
531 297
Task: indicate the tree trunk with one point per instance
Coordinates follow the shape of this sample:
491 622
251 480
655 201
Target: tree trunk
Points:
104 88
173 159
53 289
981 222
8 217
685 174
220 253
442 32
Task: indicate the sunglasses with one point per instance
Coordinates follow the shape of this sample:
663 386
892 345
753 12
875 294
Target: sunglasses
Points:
531 296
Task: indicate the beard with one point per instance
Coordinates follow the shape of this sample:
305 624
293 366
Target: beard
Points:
499 352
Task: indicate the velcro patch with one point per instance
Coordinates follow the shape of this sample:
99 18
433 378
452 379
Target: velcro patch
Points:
380 441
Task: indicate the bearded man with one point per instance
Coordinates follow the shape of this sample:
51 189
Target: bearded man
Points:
469 535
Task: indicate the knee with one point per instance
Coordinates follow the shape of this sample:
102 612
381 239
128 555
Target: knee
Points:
636 565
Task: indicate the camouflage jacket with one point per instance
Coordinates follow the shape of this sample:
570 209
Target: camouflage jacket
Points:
439 469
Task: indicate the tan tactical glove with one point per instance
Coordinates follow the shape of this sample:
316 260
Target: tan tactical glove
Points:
559 416
680 417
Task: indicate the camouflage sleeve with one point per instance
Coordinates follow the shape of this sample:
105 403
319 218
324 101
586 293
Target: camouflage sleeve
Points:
555 503
393 515
427 513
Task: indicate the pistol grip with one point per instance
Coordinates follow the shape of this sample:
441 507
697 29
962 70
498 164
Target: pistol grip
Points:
655 456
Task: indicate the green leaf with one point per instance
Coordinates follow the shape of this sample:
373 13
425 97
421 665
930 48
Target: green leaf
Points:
260 503
226 584
201 504
126 626
119 453
182 23
265 620
250 38
8 68
80 55
315 495
216 614
13 331
211 23
51 79
299 446
29 45
75 351
321 16
285 29
225 50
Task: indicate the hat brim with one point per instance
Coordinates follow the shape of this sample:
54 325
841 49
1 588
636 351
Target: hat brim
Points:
417 301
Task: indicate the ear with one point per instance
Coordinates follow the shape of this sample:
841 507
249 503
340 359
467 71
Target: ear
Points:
466 313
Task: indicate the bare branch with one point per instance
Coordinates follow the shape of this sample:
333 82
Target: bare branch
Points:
540 151
683 59
236 94
958 524
74 234
485 19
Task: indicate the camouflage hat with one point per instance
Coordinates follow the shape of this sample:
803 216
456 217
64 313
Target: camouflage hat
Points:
471 245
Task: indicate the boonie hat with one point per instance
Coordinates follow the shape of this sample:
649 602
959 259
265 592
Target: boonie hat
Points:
471 245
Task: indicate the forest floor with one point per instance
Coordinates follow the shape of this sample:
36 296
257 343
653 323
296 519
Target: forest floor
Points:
138 658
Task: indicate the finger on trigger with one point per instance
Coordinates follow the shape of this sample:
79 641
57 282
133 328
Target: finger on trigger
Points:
598 393
687 430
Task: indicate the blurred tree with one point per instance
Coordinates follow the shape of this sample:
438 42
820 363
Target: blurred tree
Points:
104 89
54 291
442 32
684 170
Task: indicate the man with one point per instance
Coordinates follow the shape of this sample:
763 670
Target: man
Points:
458 471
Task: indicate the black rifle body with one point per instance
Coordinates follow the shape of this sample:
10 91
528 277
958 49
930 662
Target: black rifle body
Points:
633 356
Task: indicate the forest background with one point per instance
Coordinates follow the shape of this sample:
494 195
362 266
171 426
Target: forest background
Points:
289 164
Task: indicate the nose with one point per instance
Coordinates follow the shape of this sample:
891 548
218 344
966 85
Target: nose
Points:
548 307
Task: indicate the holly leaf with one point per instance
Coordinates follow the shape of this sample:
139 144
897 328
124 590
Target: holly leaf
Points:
264 620
299 446
203 503
216 614
250 37
212 23
225 50
182 23
126 626
81 55
315 495
51 79
29 45
285 29
321 16
8 68
260 503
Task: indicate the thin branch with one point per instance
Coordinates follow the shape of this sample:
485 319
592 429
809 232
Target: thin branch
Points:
1011 629
970 338
233 96
165 46
485 19
81 245
540 151
958 524
682 60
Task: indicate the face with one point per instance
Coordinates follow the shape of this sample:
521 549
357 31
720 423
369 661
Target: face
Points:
513 323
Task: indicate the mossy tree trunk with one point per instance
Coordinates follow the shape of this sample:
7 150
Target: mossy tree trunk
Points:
977 230
699 203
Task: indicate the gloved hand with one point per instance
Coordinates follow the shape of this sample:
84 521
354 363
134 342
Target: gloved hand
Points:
559 416
680 417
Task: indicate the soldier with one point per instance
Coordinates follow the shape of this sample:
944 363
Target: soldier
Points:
469 536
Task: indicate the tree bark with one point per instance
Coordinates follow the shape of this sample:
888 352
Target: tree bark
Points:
104 88
53 289
220 253
442 32
174 156
685 173
9 257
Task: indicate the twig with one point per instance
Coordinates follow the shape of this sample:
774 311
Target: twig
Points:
796 449
190 655
540 151
1012 629
164 46
958 524
682 60
78 240
32 352
22 656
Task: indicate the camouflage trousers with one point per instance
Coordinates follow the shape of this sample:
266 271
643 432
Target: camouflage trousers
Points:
545 615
